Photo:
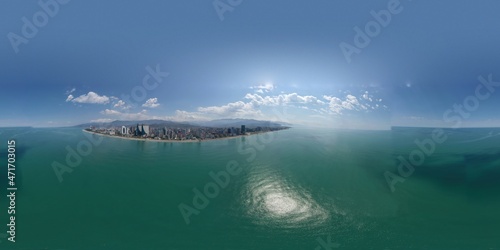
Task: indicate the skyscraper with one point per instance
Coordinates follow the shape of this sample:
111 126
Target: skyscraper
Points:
243 129
137 130
145 130
124 130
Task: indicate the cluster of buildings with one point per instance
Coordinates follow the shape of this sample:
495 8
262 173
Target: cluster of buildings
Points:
167 133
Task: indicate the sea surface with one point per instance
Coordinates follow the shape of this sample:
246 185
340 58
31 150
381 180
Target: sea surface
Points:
300 188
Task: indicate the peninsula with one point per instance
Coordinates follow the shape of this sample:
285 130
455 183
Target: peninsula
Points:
156 130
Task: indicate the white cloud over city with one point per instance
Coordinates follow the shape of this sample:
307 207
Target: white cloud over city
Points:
234 109
89 98
151 103
120 104
257 105
266 87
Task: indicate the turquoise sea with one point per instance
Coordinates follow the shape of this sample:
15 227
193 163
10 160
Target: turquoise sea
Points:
300 188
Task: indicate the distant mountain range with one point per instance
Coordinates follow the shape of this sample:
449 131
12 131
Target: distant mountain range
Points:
249 123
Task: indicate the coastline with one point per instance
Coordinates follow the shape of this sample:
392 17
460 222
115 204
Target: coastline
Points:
174 141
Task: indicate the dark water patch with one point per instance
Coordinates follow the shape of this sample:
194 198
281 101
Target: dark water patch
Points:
20 152
483 169
467 158
477 171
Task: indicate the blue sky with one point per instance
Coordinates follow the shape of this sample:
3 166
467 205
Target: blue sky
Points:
273 60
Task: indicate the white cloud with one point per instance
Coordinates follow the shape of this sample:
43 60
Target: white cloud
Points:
102 120
295 98
366 96
181 115
234 109
70 91
259 106
282 99
91 97
335 104
351 103
110 112
237 109
267 87
259 100
151 103
70 97
121 104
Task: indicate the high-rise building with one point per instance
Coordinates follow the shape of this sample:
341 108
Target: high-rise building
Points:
243 129
145 130
124 130
137 131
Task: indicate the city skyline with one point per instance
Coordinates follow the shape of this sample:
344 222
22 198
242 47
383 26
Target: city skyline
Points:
267 61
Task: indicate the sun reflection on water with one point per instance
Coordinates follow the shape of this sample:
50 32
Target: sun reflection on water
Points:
274 201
